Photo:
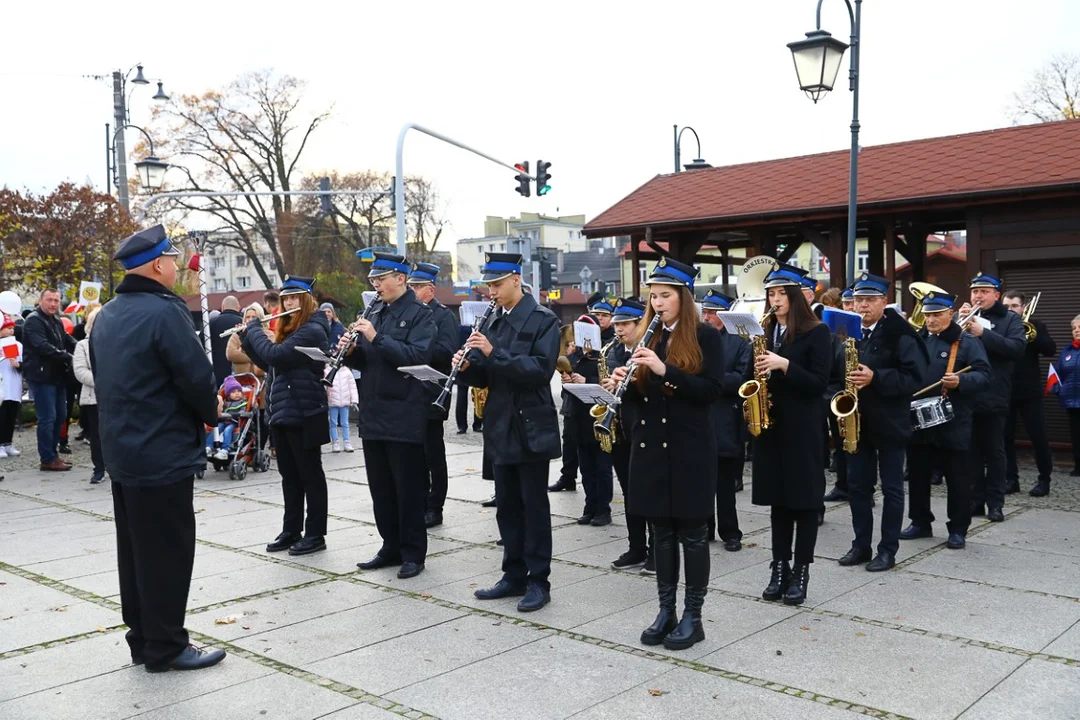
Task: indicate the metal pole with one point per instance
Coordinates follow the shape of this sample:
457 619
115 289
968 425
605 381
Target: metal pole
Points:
241 193
675 132
853 191
120 116
108 161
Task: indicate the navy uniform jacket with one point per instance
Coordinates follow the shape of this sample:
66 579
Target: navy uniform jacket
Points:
1004 343
727 411
955 434
898 357
575 411
1028 380
394 406
154 384
617 356
444 344
520 421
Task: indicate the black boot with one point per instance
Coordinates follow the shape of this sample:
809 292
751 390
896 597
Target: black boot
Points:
666 559
796 592
696 551
778 581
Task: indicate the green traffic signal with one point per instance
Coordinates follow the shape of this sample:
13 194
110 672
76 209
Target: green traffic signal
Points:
544 190
542 177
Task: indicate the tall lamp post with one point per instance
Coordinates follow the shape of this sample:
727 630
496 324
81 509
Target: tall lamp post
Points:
118 149
817 63
698 163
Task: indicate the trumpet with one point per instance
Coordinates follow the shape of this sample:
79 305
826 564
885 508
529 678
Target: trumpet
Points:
268 318
966 319
443 401
338 357
1029 327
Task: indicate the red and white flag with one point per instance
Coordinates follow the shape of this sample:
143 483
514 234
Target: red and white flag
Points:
73 309
1052 379
10 348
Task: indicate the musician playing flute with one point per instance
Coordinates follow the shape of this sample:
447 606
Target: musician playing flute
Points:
946 446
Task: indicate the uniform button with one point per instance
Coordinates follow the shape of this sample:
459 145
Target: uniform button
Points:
646 399
642 422
663 420
642 444
665 444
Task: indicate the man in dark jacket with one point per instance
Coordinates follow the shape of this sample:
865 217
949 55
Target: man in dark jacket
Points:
514 357
394 417
892 365
443 346
229 318
1002 336
47 352
946 445
155 392
1026 401
728 421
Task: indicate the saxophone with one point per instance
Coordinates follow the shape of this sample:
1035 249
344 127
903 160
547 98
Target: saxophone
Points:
755 394
479 399
598 411
845 404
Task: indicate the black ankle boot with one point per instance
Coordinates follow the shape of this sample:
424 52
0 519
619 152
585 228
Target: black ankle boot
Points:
666 619
666 560
696 551
796 592
778 581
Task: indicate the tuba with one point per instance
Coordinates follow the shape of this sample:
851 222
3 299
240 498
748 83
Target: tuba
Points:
845 404
598 411
1029 327
920 290
755 393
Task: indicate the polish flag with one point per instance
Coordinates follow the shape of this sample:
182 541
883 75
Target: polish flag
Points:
1052 379
10 348
73 309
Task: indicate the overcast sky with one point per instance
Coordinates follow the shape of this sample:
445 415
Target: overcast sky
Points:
593 86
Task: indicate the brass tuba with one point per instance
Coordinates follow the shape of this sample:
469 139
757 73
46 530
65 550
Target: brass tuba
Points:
920 290
845 404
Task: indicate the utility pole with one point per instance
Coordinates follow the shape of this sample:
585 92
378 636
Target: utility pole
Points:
120 159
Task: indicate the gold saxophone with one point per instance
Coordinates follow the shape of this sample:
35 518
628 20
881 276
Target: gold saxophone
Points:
479 399
755 394
598 411
845 404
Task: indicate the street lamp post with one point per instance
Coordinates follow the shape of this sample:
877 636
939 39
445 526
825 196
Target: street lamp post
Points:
120 116
817 63
698 162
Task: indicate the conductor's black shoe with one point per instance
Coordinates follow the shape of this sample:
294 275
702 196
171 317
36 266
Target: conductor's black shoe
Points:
378 562
855 556
601 520
410 569
284 541
535 598
913 531
733 544
1040 489
1011 487
501 589
585 519
883 561
308 545
995 515
489 503
836 495
432 518
192 658
563 484
956 541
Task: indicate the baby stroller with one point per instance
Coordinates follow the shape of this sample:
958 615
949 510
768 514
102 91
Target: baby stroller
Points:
245 451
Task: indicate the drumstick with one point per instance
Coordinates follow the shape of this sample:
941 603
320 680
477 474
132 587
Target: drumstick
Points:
928 388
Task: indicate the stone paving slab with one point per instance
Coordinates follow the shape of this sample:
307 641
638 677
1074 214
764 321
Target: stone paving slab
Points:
31 613
1067 644
62 664
1008 567
241 583
1037 691
361 711
1046 531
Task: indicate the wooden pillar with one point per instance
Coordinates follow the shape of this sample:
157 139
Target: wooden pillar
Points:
890 252
635 265
875 248
837 263
757 242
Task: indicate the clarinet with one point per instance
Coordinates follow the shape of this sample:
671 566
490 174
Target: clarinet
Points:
339 356
442 402
604 426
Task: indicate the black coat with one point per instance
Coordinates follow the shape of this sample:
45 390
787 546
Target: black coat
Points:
1004 343
520 421
443 346
47 349
297 397
727 411
898 357
617 356
789 457
955 434
673 444
1028 381
225 320
154 384
394 406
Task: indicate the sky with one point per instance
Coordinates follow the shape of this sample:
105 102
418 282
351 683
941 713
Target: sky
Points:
593 87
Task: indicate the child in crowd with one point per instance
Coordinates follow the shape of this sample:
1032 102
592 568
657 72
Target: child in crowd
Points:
340 396
234 403
11 385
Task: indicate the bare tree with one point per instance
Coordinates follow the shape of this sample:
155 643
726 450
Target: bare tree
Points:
1053 92
424 216
360 221
248 136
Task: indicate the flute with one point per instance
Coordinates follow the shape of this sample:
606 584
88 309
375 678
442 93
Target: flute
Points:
242 328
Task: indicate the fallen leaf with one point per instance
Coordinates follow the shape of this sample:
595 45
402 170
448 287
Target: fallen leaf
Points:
656 693
199 510
779 652
911 669
750 544
425 595
805 627
860 634
227 620
896 617
246 627
101 628
59 608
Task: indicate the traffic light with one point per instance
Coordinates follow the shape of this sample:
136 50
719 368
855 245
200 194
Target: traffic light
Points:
542 177
547 273
523 179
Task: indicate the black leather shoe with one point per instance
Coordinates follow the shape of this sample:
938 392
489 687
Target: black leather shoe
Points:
378 562
739 485
956 541
63 448
500 542
601 520
778 581
1040 489
284 541
535 598
883 561
563 485
836 495
913 531
687 633
935 478
856 556
796 592
410 569
733 544
432 518
666 621
489 503
192 658
308 545
585 519
1012 487
995 515
501 589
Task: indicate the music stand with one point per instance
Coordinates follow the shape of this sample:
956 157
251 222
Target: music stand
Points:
425 373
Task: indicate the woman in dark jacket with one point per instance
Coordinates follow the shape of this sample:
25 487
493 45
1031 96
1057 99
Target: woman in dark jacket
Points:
789 470
1068 392
673 445
297 407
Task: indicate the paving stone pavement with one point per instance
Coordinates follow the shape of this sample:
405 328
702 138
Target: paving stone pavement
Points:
989 632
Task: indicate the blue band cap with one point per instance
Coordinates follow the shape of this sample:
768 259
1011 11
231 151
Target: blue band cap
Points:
389 266
984 280
781 278
292 283
604 307
504 267
660 274
134 261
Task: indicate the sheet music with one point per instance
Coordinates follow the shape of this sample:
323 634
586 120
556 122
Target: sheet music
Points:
470 310
313 353
587 336
423 372
368 297
590 394
741 324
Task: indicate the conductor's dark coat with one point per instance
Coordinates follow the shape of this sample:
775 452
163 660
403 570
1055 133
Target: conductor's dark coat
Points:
672 436
789 456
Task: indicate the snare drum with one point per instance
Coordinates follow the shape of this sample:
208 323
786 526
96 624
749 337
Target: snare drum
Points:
930 412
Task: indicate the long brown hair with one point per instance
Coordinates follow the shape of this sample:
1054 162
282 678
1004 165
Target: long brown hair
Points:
289 324
683 349
800 317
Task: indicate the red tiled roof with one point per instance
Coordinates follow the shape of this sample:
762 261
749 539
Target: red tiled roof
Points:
1023 157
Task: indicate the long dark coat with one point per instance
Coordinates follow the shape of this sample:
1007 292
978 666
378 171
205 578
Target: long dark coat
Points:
898 357
955 434
727 411
673 445
1005 345
789 456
